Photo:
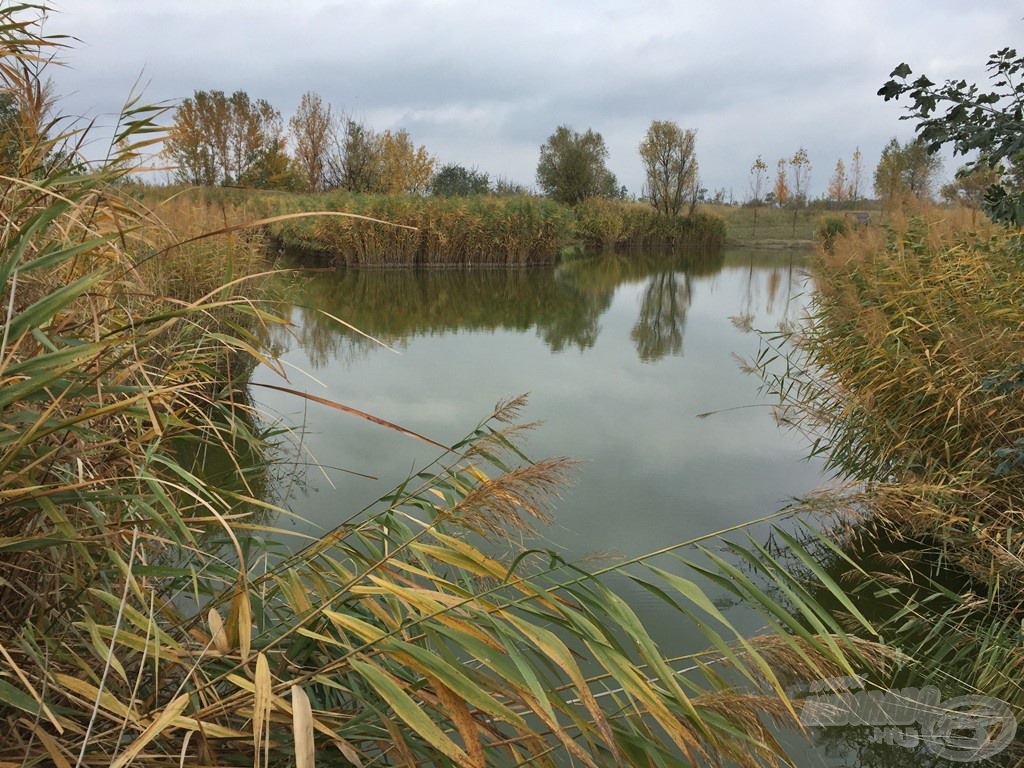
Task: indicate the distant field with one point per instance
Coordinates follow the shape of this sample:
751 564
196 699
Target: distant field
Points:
772 223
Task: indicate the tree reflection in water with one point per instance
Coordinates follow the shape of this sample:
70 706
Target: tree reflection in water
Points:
659 328
562 305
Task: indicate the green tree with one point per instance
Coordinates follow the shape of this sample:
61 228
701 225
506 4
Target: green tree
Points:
989 122
905 172
572 167
355 164
670 163
970 185
454 180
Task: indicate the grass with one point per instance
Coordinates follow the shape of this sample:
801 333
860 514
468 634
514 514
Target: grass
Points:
147 621
776 227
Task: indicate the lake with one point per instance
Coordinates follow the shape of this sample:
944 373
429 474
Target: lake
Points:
620 355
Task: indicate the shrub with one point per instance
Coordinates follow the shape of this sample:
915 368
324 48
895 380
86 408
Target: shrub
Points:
829 228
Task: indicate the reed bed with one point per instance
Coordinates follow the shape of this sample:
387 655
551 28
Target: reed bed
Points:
910 322
609 224
479 231
434 231
904 379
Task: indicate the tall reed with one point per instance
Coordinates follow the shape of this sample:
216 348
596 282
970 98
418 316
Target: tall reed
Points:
898 380
480 231
437 231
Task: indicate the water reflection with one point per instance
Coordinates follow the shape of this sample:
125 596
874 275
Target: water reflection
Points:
659 328
563 306
599 344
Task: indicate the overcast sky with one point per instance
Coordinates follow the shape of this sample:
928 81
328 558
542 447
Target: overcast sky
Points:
484 83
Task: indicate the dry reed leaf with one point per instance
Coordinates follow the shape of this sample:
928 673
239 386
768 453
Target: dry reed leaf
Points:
28 687
245 625
207 729
106 699
302 728
220 636
263 693
354 411
184 749
51 746
156 728
297 592
468 728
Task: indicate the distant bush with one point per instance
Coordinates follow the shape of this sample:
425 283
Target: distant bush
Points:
829 228
457 181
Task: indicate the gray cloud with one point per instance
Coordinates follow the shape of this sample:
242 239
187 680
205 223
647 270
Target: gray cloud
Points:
485 83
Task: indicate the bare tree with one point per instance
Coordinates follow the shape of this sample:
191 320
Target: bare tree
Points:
354 163
758 171
856 177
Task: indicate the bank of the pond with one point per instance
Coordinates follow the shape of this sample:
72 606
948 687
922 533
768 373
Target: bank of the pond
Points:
909 378
477 231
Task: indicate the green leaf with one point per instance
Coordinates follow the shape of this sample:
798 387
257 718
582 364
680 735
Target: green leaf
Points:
42 311
409 710
19 700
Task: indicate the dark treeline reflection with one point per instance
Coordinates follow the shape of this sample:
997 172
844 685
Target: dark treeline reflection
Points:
562 305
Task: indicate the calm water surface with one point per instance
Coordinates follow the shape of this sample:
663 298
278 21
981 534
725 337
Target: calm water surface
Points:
619 355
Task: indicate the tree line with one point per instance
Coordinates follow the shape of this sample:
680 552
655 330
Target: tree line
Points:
234 140
221 139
